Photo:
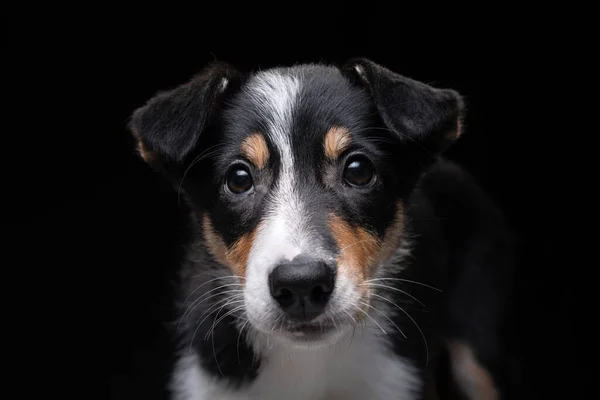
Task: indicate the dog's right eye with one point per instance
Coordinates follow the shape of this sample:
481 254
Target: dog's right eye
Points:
239 180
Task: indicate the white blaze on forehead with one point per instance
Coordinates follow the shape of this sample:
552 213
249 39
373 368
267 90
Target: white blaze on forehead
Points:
281 234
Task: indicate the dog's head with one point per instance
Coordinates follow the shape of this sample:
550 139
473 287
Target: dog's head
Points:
298 178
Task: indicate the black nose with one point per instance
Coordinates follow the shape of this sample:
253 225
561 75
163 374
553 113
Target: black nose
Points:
302 289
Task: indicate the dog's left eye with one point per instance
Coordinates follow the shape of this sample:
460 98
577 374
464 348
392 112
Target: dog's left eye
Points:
239 180
359 171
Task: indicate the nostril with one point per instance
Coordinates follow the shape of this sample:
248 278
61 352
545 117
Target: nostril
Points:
284 296
320 294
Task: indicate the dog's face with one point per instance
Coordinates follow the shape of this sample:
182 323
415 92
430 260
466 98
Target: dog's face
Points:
298 178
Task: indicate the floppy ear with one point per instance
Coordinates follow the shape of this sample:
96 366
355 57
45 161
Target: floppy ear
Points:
168 126
414 110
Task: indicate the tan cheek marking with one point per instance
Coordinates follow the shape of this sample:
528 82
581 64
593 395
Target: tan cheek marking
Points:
239 252
393 234
359 249
472 378
255 148
337 139
234 257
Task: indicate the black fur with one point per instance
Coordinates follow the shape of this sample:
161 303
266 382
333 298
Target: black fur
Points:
414 110
222 352
171 123
462 244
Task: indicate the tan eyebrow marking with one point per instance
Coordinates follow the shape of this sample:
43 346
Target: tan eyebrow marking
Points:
337 139
254 147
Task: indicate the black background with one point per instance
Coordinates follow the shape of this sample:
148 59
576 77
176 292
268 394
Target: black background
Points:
95 233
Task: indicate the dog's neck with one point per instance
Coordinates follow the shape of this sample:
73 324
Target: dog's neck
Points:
355 366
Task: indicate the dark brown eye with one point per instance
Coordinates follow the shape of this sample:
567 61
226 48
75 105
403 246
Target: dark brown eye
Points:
359 172
239 180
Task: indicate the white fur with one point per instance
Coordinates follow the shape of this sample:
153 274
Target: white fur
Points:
283 234
354 368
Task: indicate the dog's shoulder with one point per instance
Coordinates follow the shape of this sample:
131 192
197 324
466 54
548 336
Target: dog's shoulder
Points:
450 210
455 196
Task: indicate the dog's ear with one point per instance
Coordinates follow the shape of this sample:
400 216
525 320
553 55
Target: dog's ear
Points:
168 126
414 110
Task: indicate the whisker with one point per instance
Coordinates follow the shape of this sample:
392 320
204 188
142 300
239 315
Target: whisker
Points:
189 311
363 326
213 289
354 327
238 339
207 282
231 301
352 337
201 322
414 322
394 289
215 355
386 317
351 317
332 319
403 280
237 298
214 325
218 277
275 322
280 330
372 319
215 352
198 327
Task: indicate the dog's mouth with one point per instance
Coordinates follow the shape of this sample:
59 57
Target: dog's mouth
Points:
308 328
308 332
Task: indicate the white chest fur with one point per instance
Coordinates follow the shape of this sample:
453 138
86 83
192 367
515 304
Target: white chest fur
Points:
361 368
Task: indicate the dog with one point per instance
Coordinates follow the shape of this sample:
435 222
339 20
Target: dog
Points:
335 254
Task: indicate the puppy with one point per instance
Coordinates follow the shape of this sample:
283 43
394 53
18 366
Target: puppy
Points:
335 254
